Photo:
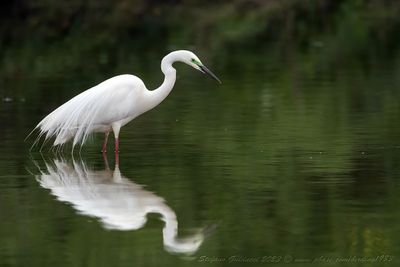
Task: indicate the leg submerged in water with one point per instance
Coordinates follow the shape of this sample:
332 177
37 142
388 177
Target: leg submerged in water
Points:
116 128
104 147
116 145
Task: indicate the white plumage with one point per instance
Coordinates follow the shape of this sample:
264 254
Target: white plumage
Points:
111 104
95 110
117 201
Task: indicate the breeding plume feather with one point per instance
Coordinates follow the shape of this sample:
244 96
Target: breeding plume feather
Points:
111 104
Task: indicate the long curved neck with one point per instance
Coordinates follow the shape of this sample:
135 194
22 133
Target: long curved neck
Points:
171 240
158 95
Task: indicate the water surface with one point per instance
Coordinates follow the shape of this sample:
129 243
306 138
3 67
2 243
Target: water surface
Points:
291 160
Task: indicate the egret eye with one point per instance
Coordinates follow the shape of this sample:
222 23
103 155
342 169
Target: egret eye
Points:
195 61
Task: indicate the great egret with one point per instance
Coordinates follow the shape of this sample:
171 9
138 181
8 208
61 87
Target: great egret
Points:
112 104
116 201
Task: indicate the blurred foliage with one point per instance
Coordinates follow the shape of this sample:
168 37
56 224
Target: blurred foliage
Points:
211 24
108 32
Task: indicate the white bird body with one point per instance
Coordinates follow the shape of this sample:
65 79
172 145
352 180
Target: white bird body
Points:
116 201
115 101
112 104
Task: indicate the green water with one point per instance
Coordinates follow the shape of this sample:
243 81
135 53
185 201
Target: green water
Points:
292 160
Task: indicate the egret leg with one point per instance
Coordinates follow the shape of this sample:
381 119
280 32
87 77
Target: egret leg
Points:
116 128
116 159
116 145
106 166
104 148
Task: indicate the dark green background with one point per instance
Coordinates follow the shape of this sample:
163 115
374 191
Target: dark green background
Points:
296 153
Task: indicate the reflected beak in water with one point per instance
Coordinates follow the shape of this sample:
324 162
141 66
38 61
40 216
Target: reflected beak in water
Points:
205 70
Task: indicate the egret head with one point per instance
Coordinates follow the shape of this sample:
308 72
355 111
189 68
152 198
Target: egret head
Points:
192 60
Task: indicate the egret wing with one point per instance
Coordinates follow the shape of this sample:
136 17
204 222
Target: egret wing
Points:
103 104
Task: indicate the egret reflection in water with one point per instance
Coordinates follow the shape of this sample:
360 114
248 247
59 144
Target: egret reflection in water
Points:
116 201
